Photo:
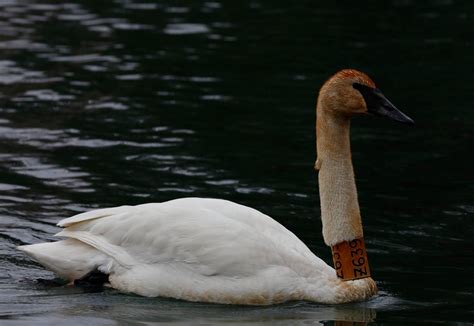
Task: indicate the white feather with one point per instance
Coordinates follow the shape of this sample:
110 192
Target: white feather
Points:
194 249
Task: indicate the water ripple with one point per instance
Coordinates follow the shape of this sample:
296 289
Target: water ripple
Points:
125 102
185 28
86 58
47 139
11 74
49 174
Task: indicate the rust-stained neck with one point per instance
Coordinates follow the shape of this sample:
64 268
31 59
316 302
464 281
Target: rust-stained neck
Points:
340 212
338 101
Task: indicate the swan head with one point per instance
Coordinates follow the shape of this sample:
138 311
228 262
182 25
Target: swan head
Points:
350 92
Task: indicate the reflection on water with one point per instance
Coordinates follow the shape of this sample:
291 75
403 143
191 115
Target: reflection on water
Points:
107 103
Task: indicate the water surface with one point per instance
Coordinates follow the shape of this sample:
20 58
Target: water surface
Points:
104 103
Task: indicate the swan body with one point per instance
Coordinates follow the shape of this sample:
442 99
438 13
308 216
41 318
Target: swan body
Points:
212 250
195 249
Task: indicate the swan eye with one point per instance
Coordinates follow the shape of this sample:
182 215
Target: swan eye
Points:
364 89
370 95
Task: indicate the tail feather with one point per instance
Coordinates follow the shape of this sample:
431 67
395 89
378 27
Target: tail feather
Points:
71 259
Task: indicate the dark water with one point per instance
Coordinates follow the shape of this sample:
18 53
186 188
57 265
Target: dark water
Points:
104 103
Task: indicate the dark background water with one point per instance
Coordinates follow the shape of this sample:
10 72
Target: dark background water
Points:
104 103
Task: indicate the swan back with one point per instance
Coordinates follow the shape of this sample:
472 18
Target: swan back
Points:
203 250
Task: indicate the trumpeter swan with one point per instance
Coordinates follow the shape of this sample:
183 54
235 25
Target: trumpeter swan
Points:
215 250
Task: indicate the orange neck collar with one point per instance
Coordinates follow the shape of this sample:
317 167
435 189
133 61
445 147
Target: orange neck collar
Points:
350 260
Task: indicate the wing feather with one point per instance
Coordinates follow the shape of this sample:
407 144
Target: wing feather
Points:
91 215
208 236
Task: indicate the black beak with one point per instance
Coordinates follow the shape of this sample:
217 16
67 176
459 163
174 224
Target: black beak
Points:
378 104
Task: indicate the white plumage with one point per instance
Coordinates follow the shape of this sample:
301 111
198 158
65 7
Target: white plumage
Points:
194 249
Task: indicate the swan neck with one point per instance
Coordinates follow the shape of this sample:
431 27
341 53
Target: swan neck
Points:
340 211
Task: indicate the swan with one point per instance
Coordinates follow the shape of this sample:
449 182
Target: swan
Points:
214 250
